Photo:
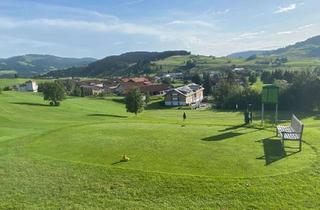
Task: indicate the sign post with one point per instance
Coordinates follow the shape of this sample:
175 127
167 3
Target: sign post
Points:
270 95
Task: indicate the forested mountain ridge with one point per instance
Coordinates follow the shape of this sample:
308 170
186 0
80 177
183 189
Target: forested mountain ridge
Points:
309 48
118 65
35 64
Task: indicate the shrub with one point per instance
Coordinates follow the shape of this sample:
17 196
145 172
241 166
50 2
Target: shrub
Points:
7 88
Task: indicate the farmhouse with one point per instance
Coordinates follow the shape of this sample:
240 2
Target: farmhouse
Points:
177 75
155 89
128 84
91 87
29 86
91 90
185 95
136 80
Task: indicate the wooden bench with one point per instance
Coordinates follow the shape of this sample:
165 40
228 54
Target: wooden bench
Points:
293 132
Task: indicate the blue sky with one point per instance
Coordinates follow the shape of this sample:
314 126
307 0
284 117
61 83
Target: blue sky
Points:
98 28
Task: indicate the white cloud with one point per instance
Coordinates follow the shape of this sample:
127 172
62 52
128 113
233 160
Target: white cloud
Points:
296 30
251 34
6 23
284 32
28 42
286 9
222 12
98 26
94 32
217 12
131 2
191 23
305 26
248 35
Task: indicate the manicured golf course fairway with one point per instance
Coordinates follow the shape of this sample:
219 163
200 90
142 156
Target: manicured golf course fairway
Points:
68 157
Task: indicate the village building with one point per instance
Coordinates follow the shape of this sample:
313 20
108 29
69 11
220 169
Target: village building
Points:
191 94
29 86
155 89
92 87
136 80
127 84
143 84
238 69
90 90
177 75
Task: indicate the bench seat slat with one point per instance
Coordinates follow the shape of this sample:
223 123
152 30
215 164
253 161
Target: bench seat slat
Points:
291 136
282 128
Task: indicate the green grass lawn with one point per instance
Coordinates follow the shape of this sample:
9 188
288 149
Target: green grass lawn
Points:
68 157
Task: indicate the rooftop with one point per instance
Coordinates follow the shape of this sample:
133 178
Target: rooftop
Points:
188 89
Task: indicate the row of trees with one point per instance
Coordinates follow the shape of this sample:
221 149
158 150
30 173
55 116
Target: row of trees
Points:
268 77
71 88
232 91
302 94
298 91
55 92
209 82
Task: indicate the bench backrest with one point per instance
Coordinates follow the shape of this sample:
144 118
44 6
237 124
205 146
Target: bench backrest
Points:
296 124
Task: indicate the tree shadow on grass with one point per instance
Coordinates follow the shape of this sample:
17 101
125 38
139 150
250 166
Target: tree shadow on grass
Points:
119 162
30 104
244 127
233 133
274 151
106 115
119 100
222 136
235 127
155 105
316 117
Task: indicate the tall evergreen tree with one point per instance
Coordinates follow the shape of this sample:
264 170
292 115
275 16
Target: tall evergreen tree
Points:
253 77
207 84
266 77
196 79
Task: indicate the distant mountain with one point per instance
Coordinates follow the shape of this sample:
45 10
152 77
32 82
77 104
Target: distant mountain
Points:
33 64
247 54
118 65
301 50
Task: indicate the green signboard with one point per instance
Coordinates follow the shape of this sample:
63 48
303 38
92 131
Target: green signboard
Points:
270 94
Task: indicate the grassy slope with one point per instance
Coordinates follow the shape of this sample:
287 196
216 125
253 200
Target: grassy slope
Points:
204 63
67 157
207 63
2 72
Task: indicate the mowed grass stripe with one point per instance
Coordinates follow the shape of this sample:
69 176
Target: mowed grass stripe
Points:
61 157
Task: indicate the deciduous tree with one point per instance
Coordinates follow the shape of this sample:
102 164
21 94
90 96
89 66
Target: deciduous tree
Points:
134 101
53 92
